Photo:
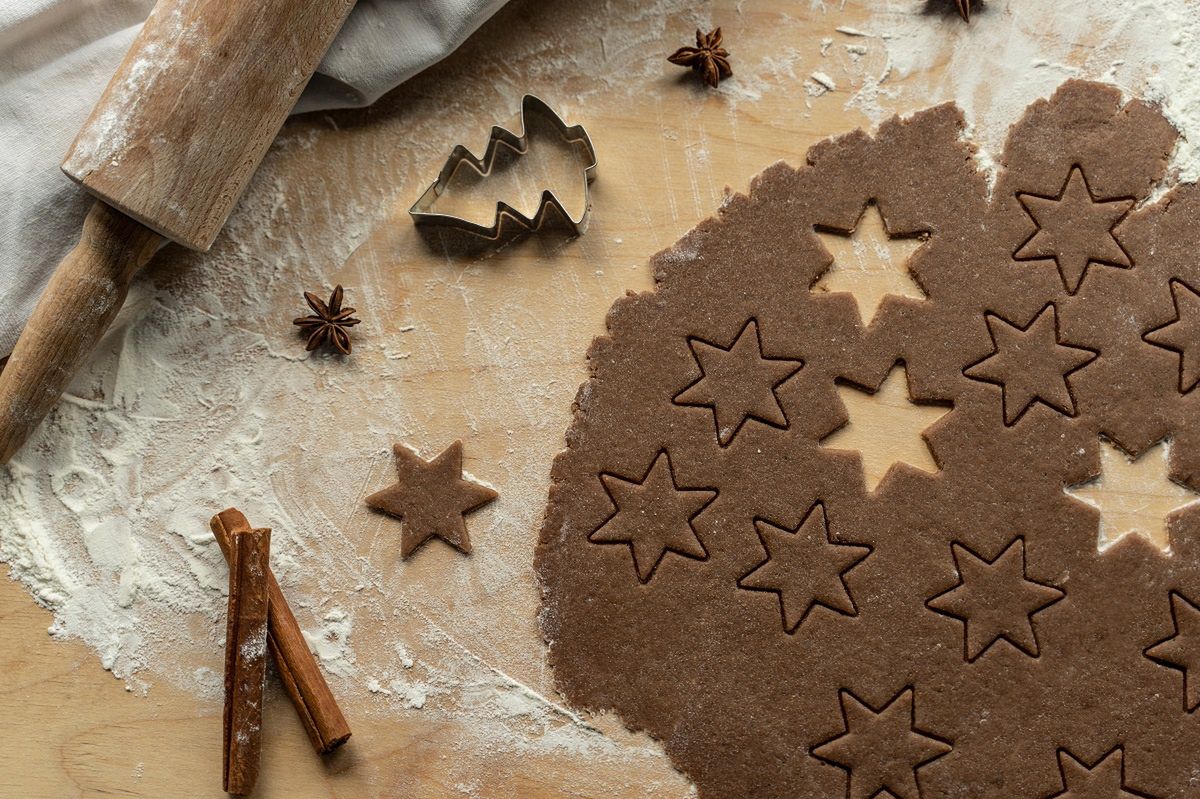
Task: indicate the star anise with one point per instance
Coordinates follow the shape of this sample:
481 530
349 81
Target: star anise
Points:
329 323
708 57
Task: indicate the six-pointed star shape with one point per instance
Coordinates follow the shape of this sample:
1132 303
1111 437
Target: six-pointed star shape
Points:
653 516
881 749
1104 779
1030 364
1134 495
805 567
1075 229
1182 650
995 600
738 382
431 498
886 428
870 264
1182 334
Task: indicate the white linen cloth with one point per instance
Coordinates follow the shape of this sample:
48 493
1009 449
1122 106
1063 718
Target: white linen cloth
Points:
56 57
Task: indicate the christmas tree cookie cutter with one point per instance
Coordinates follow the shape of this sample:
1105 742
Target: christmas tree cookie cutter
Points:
422 211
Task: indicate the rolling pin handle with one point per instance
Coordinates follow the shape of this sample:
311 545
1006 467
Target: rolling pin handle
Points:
83 297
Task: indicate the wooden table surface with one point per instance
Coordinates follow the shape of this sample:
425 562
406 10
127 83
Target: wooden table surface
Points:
668 148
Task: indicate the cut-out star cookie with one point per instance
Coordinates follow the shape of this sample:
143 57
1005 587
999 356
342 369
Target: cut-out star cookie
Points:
738 382
1030 364
805 568
1134 495
995 600
1075 229
1182 649
653 516
431 498
881 749
1182 334
1104 779
870 264
886 428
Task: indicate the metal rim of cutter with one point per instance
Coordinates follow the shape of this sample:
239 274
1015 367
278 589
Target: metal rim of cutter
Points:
530 105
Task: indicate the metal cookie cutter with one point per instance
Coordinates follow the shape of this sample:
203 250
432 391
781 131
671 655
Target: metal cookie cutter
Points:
530 105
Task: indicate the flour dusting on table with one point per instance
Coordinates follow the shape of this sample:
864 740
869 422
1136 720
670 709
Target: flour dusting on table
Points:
1018 51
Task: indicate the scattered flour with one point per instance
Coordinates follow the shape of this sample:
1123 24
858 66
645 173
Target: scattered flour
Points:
331 643
823 80
1015 51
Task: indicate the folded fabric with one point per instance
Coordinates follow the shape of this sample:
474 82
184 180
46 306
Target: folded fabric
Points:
57 58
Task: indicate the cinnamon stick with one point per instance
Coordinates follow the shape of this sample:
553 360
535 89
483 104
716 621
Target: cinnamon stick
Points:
318 710
245 657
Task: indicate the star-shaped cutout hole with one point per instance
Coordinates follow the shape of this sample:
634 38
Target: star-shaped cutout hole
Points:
1134 495
1031 364
805 568
870 263
886 428
431 498
1182 334
1104 779
881 750
653 516
1075 229
1182 649
995 600
738 382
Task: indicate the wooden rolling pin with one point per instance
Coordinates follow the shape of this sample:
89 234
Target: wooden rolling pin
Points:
168 150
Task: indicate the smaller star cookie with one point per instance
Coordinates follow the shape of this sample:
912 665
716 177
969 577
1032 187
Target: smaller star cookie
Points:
805 568
1104 778
1076 229
738 382
1181 334
1180 650
653 516
995 600
431 498
1031 364
881 750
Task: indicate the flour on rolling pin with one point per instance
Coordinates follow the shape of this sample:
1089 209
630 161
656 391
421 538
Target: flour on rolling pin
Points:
106 135
194 106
